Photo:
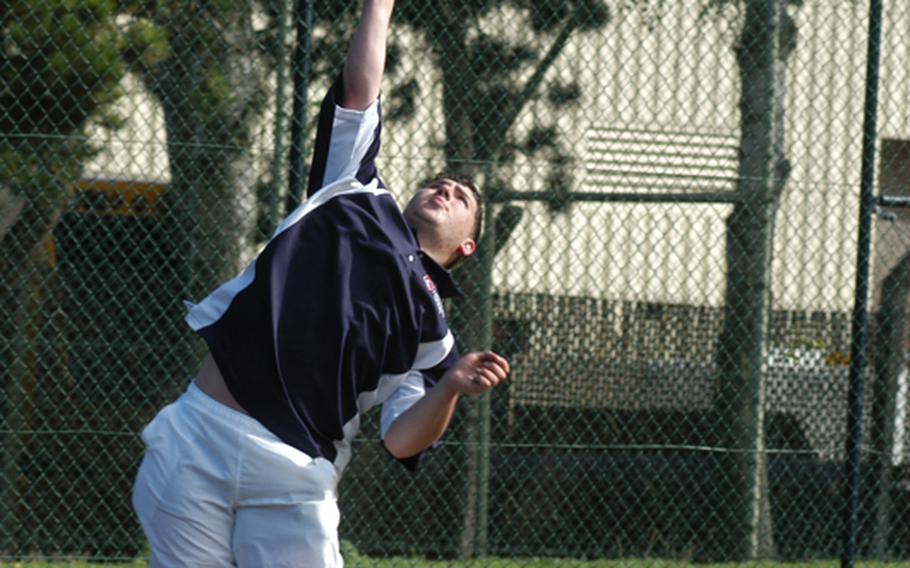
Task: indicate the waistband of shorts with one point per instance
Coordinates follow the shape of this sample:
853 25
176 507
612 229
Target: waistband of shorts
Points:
243 422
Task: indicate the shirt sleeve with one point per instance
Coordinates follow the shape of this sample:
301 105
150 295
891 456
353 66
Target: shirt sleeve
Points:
412 389
405 396
347 142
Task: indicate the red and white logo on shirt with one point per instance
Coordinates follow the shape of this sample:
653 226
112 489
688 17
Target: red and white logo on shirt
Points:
431 288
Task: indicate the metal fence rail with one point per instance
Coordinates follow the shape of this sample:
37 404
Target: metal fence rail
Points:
697 261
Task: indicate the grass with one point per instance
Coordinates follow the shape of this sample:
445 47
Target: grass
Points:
357 561
354 559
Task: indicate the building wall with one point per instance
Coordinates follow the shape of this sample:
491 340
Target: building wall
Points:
656 86
680 76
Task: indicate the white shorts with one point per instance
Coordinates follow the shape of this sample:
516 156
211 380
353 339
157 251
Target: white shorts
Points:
216 488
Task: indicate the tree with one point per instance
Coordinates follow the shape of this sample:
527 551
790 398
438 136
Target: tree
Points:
60 67
766 39
487 81
212 87
59 73
483 94
890 341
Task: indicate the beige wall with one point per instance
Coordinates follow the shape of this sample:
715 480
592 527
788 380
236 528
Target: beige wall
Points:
675 253
651 74
138 151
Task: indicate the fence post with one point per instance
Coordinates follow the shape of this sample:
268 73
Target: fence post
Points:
476 334
278 156
890 337
303 22
861 301
482 536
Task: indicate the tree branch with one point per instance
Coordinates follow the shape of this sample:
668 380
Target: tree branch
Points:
509 117
10 208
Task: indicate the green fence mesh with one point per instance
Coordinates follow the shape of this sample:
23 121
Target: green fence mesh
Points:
671 263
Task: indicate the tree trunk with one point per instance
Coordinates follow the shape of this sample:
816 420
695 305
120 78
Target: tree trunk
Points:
203 209
742 507
890 339
470 315
15 333
26 227
475 153
32 368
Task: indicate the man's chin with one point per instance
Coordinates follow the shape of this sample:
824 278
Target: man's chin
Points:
430 217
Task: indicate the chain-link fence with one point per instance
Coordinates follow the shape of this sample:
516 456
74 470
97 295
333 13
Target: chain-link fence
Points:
670 264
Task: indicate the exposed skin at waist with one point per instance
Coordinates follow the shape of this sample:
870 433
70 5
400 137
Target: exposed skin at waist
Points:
420 425
210 381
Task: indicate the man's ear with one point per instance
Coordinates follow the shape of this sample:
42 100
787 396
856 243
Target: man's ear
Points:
468 247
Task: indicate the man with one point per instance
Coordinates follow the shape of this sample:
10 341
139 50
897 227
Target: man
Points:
340 312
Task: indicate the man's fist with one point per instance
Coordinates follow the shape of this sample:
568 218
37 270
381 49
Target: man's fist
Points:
476 373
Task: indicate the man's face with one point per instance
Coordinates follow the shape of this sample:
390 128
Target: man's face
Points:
444 212
447 204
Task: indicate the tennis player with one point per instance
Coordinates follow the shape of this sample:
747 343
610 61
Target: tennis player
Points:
340 312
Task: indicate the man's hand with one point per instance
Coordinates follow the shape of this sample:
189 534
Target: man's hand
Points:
476 373
423 423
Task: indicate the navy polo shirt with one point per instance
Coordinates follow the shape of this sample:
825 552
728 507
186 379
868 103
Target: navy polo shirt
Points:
341 311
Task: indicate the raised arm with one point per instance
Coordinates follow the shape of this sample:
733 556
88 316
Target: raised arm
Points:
365 63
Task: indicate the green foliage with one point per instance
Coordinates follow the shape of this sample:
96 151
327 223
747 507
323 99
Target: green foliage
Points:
60 71
490 57
586 14
404 100
539 138
62 62
143 44
499 64
212 71
561 95
40 169
493 89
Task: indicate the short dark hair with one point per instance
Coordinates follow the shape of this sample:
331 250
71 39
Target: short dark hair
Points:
466 181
